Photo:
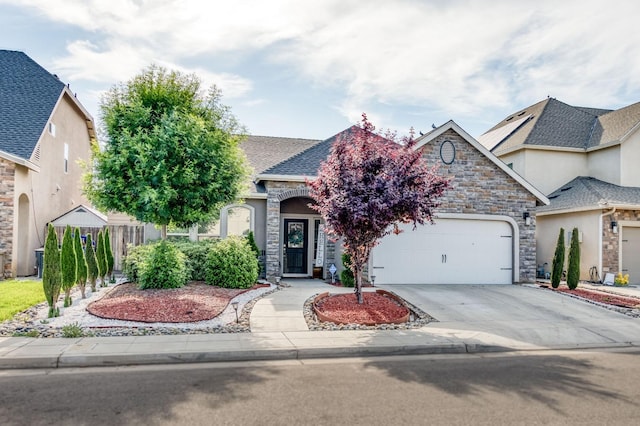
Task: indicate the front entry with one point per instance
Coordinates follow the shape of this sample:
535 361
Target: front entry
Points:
295 246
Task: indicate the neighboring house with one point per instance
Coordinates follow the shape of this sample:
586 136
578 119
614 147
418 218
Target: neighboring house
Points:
483 232
44 131
586 160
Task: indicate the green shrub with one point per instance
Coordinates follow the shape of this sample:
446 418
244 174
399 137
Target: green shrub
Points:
196 257
101 258
72 330
254 248
164 268
108 252
69 266
558 261
92 263
346 276
80 262
51 275
136 255
573 271
232 264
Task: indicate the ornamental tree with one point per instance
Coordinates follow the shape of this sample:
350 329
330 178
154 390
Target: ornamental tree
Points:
108 252
573 270
172 152
101 258
558 261
80 262
51 275
93 271
368 185
69 265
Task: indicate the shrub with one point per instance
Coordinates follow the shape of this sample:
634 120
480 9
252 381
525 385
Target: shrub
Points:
558 261
232 264
51 275
573 272
254 248
101 257
69 266
164 268
346 276
80 262
134 259
92 263
108 252
196 257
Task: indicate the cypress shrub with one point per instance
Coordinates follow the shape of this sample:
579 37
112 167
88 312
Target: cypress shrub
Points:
573 271
164 268
80 262
108 252
346 276
92 263
232 264
51 274
558 261
69 266
101 257
254 248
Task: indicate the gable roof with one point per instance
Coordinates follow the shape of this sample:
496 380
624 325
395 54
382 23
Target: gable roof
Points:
588 193
304 164
451 125
29 95
81 216
561 126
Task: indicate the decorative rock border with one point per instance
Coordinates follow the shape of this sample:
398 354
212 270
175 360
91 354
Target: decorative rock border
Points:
326 318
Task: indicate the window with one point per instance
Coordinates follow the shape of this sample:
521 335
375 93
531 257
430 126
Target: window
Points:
52 129
66 158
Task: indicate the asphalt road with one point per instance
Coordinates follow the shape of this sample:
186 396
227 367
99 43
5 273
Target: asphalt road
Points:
570 387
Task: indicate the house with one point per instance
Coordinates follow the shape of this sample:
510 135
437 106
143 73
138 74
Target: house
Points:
484 228
44 132
585 160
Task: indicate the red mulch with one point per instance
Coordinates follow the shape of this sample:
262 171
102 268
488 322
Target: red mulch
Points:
602 297
196 301
376 309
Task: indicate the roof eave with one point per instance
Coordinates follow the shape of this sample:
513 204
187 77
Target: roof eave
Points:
589 208
282 178
19 160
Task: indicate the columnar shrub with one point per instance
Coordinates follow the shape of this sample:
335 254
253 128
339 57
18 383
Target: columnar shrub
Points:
51 275
101 257
573 271
232 264
558 261
165 268
80 262
136 255
254 248
69 266
346 276
92 264
108 252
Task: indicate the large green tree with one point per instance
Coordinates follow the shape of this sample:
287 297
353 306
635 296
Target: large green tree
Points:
172 151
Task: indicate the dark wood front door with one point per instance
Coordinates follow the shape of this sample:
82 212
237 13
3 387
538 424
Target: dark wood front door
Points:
295 246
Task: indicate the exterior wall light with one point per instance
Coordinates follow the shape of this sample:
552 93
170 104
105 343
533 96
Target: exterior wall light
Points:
527 218
614 226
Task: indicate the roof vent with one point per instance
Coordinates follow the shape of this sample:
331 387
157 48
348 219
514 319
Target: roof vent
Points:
566 188
510 118
522 113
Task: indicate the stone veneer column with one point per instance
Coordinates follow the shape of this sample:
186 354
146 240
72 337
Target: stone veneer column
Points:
7 207
273 236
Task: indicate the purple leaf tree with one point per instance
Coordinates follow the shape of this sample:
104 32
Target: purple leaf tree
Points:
368 185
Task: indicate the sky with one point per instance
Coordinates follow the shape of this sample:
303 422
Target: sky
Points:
310 68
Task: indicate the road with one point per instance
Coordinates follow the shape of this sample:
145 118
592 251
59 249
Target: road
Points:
569 387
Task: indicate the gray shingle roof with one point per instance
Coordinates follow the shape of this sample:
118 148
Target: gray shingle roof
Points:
585 192
28 95
556 124
307 162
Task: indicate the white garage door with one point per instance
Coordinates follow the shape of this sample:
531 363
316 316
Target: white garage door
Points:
453 251
631 253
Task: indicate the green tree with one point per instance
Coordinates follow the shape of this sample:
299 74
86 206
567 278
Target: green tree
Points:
254 248
101 259
80 262
172 154
558 261
573 271
92 263
51 274
108 252
69 266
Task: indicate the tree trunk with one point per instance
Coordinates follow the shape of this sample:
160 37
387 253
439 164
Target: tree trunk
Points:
358 273
163 232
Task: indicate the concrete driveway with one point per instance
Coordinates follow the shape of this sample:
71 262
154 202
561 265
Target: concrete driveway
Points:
522 316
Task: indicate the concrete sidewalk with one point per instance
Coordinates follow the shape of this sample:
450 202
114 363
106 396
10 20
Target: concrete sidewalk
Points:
471 319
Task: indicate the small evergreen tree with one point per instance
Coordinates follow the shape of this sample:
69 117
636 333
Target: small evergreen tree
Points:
51 275
80 262
101 257
108 252
573 272
92 264
254 248
69 266
558 261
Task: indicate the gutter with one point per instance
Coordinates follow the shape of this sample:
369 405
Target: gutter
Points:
612 211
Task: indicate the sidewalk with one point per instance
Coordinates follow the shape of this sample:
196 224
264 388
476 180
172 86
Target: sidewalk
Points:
279 332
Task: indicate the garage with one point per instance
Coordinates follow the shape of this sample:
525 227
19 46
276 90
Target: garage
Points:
453 251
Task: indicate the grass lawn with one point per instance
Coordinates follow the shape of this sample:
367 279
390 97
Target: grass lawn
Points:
16 296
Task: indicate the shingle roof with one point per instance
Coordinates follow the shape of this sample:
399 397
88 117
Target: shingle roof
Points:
556 124
585 192
307 162
28 95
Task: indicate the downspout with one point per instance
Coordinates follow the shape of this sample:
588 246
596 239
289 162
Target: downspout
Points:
600 248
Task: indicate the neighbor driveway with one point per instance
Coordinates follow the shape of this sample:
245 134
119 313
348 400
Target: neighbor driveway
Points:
520 315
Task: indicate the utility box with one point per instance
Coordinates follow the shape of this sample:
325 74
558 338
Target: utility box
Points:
40 261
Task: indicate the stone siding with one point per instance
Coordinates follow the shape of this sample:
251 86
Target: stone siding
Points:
478 186
611 242
7 208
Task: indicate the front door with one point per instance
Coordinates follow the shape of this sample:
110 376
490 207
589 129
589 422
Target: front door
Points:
295 246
